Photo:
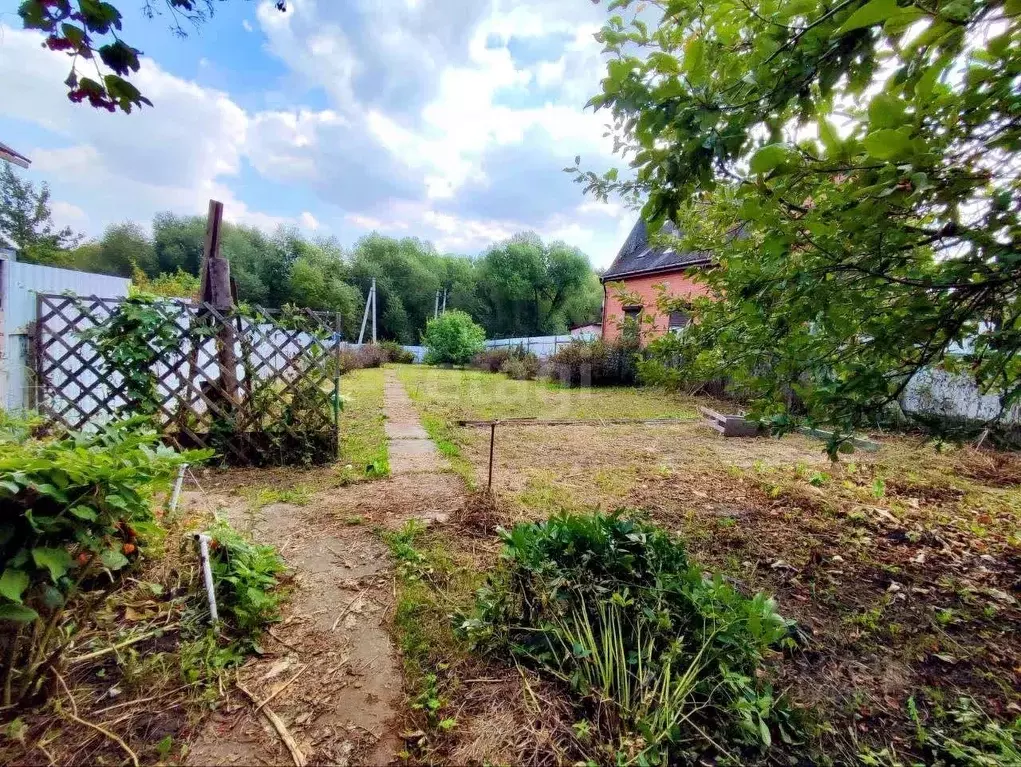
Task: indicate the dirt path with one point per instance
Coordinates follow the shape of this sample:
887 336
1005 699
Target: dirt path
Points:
345 706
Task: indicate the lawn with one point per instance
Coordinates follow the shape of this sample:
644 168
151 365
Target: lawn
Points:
363 452
901 567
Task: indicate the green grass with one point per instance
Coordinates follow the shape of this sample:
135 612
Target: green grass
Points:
471 394
444 434
363 451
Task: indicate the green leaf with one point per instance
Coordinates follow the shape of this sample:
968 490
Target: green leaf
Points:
829 137
13 584
57 561
886 111
113 559
888 144
84 512
769 157
873 12
17 613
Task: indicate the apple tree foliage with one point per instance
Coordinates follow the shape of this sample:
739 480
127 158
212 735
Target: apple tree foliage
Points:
854 167
89 31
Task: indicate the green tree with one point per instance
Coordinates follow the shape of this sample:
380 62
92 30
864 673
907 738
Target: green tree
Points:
453 337
317 281
27 221
854 166
178 242
526 285
122 248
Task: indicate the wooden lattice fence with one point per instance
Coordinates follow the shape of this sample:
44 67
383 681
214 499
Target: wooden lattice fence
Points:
259 386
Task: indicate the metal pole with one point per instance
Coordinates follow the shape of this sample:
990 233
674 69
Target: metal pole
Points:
492 440
373 310
177 488
207 574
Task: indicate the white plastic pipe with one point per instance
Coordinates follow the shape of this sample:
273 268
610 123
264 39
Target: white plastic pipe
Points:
207 574
176 496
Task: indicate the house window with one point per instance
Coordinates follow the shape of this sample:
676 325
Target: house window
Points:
632 320
679 320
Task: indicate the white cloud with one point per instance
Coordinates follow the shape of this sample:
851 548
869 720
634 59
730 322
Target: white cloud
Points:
247 25
433 127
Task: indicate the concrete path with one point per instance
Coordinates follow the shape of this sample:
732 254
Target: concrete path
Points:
411 450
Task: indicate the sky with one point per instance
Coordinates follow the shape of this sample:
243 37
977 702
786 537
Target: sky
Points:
447 120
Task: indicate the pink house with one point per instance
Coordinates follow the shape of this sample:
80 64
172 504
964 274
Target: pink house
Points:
637 271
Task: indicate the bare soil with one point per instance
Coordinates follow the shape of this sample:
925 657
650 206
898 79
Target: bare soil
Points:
346 704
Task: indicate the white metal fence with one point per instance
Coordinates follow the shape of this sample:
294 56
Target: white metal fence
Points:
541 346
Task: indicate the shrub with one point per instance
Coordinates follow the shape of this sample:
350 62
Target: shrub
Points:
246 579
454 338
396 353
521 368
491 360
75 513
670 658
596 363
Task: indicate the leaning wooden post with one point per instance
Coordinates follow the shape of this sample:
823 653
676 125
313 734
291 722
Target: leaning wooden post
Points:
216 292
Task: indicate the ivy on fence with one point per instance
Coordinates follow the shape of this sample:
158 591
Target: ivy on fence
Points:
257 386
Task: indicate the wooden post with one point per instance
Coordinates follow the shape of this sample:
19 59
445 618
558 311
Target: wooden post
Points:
216 292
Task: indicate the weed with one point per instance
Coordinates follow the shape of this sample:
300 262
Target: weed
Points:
363 450
613 608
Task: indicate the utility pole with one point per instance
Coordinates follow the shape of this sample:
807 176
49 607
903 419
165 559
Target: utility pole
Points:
444 299
436 305
365 314
373 310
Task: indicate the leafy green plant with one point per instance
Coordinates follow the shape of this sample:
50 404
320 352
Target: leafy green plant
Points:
246 576
613 608
967 736
76 514
136 336
453 337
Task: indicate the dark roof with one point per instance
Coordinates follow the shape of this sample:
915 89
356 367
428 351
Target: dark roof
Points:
637 256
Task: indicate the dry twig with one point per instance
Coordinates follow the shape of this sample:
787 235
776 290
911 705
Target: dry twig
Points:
279 726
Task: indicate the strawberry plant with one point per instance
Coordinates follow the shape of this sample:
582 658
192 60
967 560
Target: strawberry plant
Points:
75 515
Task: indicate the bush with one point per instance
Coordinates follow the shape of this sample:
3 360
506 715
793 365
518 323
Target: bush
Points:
453 338
364 356
491 360
669 658
523 368
396 353
75 513
596 363
245 575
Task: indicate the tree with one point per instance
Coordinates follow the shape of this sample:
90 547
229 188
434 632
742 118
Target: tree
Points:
525 285
453 337
854 167
27 221
88 30
124 247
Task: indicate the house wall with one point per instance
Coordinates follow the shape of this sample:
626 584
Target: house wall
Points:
680 284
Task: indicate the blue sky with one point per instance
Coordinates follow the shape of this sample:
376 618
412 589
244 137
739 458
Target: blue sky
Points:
447 120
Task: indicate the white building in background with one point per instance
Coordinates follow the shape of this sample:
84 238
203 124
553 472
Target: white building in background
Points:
19 285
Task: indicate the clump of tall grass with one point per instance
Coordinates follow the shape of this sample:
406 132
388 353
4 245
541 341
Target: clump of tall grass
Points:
668 662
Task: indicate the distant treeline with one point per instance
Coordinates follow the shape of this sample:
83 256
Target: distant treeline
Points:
518 288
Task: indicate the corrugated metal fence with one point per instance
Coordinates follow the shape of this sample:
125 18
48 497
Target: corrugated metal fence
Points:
21 283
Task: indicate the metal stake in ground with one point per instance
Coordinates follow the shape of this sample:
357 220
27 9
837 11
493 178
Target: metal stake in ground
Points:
492 440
